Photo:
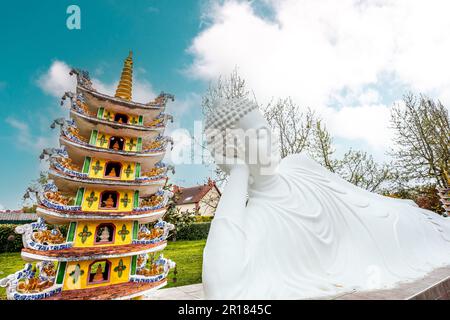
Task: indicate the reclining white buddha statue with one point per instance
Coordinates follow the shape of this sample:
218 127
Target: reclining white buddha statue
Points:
291 229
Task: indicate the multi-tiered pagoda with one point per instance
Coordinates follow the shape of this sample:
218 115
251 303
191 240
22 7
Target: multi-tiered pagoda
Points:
106 186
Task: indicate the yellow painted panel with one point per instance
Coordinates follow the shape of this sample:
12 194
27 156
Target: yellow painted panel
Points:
92 200
130 144
98 170
86 233
110 115
128 171
102 140
77 273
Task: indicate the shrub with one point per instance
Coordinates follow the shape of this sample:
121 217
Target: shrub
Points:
9 240
195 231
203 218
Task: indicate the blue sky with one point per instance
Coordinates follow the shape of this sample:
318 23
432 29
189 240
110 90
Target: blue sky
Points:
348 60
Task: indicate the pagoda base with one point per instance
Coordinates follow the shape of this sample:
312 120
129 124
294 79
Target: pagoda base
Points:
122 291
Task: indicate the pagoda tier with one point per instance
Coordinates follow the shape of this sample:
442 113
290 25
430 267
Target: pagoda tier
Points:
108 121
100 204
78 151
103 173
80 254
107 185
70 184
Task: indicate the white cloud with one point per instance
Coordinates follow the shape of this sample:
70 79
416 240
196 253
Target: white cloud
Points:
28 141
2 207
345 54
56 81
356 123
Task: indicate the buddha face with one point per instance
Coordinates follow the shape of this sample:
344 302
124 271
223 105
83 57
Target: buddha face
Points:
250 141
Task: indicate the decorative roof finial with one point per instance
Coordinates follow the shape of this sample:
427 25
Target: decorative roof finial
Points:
125 86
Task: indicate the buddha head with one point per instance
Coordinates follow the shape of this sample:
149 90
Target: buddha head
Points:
237 132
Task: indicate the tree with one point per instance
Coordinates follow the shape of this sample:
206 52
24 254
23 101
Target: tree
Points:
359 168
229 87
292 127
321 147
174 215
356 167
422 140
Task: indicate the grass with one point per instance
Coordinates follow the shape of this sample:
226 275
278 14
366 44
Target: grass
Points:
187 254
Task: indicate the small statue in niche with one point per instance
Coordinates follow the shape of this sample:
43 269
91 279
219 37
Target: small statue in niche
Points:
98 274
113 173
109 203
104 235
115 145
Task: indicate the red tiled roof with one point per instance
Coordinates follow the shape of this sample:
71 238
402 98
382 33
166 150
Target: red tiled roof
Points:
91 252
193 194
114 291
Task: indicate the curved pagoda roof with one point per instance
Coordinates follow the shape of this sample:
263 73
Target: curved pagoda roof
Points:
64 216
91 253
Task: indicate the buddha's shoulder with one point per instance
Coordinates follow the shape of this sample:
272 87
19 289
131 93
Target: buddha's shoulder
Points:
299 160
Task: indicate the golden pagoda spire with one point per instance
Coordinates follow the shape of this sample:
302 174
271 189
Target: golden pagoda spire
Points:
126 79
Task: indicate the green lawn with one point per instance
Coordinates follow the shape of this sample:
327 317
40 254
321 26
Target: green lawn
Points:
187 254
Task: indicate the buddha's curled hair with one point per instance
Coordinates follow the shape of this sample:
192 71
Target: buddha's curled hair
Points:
221 120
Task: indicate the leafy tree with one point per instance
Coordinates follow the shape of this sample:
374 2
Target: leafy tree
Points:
174 215
422 140
292 127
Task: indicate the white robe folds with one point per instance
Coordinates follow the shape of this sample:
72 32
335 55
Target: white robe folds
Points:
324 236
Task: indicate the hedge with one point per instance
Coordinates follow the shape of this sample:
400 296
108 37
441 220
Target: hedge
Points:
15 244
9 240
196 231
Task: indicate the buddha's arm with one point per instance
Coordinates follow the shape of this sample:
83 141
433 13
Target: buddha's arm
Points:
224 254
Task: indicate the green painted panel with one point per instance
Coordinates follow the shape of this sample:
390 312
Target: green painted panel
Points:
136 199
86 164
61 271
100 112
93 139
71 232
135 230
133 265
138 170
79 197
139 144
141 120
